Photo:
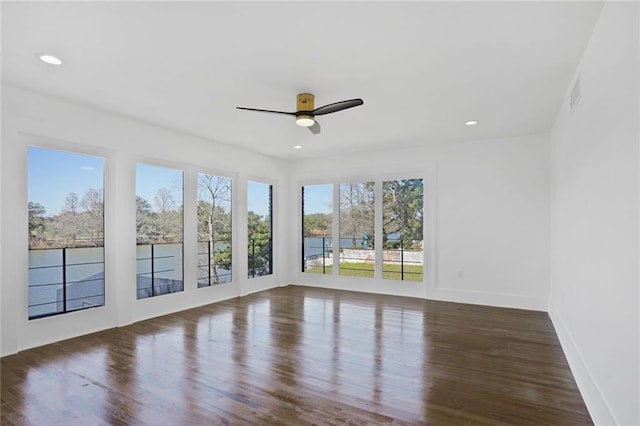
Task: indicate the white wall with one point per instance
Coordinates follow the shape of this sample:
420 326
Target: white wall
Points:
31 119
595 217
490 220
486 215
1 239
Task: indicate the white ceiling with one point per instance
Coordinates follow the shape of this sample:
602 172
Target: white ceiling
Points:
422 68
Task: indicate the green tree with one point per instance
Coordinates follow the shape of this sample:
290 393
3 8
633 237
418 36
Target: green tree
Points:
221 259
145 221
37 224
403 211
259 236
317 224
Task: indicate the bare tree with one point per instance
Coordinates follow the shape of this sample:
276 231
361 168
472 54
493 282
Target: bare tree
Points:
93 205
169 218
164 201
71 203
67 225
356 210
214 216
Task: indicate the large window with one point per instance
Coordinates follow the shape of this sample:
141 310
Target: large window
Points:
159 230
214 230
317 219
259 232
66 232
402 225
357 224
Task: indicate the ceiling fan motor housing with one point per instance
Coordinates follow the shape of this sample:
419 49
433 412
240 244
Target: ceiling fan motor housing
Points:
304 110
305 103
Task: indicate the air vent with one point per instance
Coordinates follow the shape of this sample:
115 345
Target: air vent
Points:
576 93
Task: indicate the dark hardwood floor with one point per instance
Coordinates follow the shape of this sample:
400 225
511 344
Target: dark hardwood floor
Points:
299 355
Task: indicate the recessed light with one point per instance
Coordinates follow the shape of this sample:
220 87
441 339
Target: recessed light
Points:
50 59
297 147
471 122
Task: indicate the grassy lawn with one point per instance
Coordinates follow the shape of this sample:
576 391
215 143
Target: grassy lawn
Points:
392 272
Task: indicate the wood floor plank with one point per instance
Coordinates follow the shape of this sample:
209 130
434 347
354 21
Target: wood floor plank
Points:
299 355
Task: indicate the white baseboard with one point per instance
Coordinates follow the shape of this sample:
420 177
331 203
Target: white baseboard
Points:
414 289
501 300
597 405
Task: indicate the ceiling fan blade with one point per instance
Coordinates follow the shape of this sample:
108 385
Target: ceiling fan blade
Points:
267 110
315 128
337 106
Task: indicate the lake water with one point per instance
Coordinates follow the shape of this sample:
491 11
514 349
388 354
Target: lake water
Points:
85 275
159 269
313 245
85 272
84 278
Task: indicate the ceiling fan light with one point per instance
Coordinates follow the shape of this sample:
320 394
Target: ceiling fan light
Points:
305 120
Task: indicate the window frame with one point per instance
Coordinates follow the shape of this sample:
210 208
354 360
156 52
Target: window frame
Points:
232 217
184 172
402 249
73 149
373 241
429 179
272 232
324 242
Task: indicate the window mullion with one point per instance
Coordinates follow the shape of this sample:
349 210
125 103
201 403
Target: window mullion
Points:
378 230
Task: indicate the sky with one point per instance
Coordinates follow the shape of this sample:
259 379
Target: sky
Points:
55 174
149 179
258 198
318 199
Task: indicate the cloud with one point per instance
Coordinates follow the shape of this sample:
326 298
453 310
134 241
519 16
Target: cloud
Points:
88 168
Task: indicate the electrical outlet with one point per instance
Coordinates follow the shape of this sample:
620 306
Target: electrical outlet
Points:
460 274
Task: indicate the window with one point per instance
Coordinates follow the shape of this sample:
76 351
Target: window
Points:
357 220
214 230
66 232
317 222
159 230
402 225
259 235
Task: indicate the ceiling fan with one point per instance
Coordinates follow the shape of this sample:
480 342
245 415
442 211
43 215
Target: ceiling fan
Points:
305 113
